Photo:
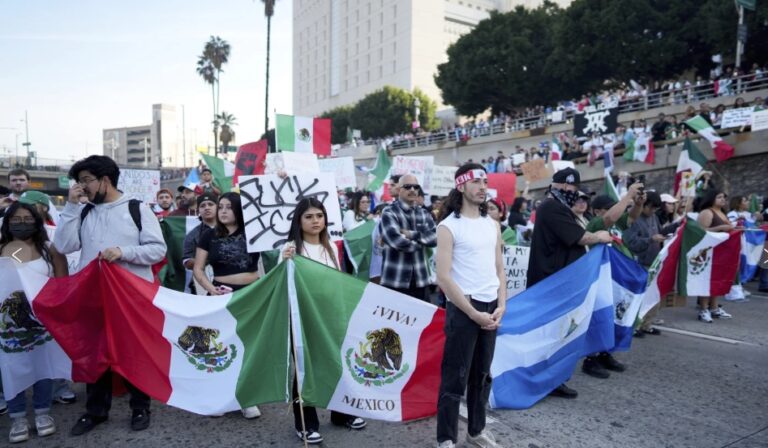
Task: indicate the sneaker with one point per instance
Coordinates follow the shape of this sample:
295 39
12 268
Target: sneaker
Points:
140 419
446 444
356 423
251 412
564 391
3 409
86 423
592 367
736 294
638 334
651 330
44 425
720 313
483 440
705 316
610 363
311 437
62 399
19 430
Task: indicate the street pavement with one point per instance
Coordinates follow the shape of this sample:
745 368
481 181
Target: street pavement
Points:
680 390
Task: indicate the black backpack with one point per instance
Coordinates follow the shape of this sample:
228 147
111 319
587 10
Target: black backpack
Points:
134 208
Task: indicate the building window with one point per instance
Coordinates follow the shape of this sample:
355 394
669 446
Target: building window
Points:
394 66
381 71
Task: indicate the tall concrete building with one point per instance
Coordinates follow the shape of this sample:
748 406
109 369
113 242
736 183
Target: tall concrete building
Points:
345 49
150 146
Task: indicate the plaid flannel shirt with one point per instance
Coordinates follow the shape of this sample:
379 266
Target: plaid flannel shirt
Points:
405 259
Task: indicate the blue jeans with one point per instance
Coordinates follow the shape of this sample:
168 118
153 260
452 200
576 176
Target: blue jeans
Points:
763 279
42 396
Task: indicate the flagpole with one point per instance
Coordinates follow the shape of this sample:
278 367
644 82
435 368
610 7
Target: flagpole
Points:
296 373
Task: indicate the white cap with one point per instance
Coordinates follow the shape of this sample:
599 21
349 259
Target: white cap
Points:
668 198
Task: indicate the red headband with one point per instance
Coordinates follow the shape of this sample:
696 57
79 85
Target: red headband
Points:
470 175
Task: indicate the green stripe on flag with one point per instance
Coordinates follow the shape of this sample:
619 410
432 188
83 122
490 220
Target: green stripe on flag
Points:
327 298
509 236
220 177
285 134
261 311
173 275
380 171
359 244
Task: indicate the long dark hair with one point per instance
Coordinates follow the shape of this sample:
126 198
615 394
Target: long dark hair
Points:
517 204
296 235
356 198
38 239
234 199
455 199
708 199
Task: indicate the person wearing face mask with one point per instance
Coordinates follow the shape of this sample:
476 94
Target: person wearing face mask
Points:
206 207
100 221
23 236
558 239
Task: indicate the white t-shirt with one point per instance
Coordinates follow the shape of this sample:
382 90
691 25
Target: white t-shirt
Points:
315 252
473 267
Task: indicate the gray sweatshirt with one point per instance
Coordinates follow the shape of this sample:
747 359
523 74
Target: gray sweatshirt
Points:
110 225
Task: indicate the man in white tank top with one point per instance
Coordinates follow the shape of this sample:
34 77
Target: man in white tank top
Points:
471 274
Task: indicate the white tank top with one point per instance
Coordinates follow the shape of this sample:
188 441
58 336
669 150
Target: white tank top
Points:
473 266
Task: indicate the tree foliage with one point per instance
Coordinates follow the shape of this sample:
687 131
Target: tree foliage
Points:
537 56
339 123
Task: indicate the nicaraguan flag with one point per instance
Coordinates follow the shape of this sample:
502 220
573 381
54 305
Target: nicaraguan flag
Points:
629 284
752 242
547 328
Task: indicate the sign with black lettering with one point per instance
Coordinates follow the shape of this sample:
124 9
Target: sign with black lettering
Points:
603 121
269 201
516 267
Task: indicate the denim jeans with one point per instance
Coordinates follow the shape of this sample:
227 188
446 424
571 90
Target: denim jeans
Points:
42 396
61 388
466 365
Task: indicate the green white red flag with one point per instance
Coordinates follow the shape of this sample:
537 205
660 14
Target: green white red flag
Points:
708 261
303 134
691 160
723 151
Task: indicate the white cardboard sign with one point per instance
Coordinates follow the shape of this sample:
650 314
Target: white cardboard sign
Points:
291 163
516 266
421 167
268 203
443 180
140 184
343 168
736 118
759 120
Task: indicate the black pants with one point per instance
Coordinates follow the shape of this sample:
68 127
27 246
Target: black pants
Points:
418 292
311 422
466 365
99 396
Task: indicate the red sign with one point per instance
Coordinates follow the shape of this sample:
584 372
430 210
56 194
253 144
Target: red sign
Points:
505 185
250 159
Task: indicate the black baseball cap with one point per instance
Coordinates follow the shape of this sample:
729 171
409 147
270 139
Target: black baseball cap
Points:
567 176
603 202
207 197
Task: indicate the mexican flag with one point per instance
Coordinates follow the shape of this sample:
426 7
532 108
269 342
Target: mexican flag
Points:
723 151
303 134
555 152
509 236
641 149
202 354
28 352
691 159
708 261
663 272
380 171
222 171
358 243
609 188
175 228
363 349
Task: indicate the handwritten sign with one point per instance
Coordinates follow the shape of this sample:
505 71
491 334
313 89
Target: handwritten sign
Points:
140 184
421 167
343 169
687 185
443 180
291 163
516 267
736 118
759 120
518 159
558 165
535 170
269 202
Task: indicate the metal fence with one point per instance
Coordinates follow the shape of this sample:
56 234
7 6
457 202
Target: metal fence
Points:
62 166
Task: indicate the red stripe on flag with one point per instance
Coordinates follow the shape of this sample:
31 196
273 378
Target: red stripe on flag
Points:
723 151
725 264
321 136
668 270
419 396
138 350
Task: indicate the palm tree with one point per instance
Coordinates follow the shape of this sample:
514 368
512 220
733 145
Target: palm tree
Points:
226 121
209 66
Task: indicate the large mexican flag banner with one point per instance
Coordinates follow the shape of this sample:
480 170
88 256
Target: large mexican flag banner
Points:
708 261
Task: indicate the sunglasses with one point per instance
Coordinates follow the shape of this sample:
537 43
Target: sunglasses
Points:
410 187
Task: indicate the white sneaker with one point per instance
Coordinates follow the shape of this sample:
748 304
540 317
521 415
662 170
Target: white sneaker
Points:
736 294
311 437
44 425
483 440
251 412
446 444
19 430
720 313
705 316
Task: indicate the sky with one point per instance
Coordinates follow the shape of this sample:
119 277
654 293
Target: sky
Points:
78 67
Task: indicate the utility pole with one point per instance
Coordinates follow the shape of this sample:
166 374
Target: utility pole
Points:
27 144
269 11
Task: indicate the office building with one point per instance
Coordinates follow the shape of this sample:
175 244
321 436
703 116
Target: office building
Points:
150 146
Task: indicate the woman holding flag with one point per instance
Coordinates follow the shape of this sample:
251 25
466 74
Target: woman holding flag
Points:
713 219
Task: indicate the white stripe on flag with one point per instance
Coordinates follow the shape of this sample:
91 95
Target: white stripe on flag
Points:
298 337
299 124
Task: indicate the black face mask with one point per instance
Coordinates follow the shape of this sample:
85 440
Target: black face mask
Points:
22 230
99 197
568 198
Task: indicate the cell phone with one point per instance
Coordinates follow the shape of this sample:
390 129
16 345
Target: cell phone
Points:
224 289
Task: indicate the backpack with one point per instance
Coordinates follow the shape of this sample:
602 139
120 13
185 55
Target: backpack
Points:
133 208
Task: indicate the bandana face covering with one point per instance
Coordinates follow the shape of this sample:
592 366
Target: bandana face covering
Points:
566 197
470 175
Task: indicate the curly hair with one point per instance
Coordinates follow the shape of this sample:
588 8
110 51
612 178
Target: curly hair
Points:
455 199
38 239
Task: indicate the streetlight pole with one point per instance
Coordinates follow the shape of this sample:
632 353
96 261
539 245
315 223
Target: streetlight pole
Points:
27 144
269 11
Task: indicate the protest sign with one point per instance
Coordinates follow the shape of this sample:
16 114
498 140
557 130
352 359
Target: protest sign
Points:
343 169
518 159
603 121
558 165
535 170
291 163
504 184
687 185
250 159
759 120
421 167
736 118
558 116
516 267
443 180
269 201
140 184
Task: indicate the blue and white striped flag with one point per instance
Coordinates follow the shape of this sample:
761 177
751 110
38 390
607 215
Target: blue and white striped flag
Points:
752 241
629 284
549 327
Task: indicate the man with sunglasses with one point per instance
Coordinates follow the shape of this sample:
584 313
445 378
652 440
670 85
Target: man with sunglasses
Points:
407 230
